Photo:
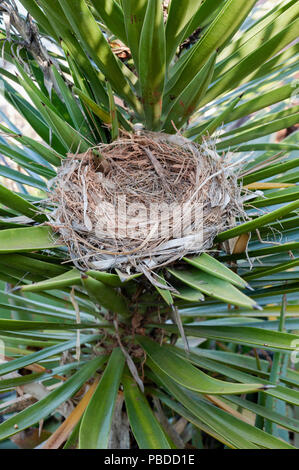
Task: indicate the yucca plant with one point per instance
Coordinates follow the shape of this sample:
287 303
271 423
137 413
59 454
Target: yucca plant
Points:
94 356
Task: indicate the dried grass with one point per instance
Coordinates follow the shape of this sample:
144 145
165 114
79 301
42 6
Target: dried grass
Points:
142 172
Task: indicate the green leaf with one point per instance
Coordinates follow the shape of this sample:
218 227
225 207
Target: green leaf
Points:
252 123
244 70
210 265
56 117
152 65
47 405
238 433
258 222
270 170
145 427
252 105
210 128
27 239
113 113
35 11
165 293
239 334
45 312
202 421
69 137
19 325
112 280
55 13
134 13
48 154
95 108
70 278
263 251
256 39
112 15
203 17
8 384
182 15
278 197
36 94
22 178
187 375
45 353
256 27
73 141
17 203
280 63
71 104
227 21
32 265
20 158
281 392
189 294
256 147
73 48
187 102
105 296
97 419
31 115
57 304
258 273
213 286
259 131
93 40
285 421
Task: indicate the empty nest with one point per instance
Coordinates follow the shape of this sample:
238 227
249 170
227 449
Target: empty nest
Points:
143 201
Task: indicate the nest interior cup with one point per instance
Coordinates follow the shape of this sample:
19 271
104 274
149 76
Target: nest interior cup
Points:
143 201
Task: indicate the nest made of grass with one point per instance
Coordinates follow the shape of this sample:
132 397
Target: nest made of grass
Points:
109 201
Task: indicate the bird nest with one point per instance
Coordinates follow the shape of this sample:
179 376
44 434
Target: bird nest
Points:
143 201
